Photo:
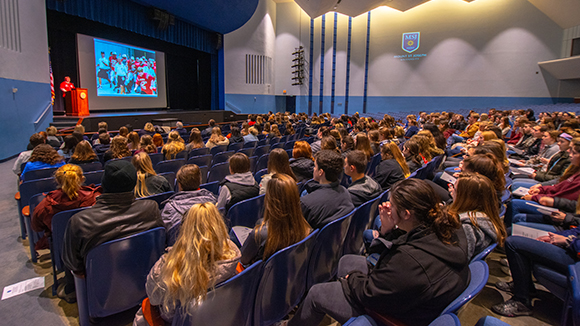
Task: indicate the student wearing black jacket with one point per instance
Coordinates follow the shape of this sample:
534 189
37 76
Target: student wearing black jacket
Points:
417 275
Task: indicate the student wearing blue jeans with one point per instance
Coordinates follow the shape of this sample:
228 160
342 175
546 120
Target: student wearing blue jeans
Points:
556 250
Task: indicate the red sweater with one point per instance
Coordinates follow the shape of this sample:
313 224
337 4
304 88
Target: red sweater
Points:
569 189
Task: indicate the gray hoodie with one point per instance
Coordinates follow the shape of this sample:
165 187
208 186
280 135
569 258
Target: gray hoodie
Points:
478 237
177 205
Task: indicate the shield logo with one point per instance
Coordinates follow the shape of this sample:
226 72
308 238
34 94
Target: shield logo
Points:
411 41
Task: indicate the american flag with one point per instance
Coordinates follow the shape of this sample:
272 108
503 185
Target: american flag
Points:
51 80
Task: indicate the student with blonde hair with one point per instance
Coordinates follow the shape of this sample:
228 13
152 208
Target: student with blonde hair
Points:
148 182
70 194
202 257
393 166
216 139
175 145
283 224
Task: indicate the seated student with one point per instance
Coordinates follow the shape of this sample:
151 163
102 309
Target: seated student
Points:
118 149
181 130
415 278
239 185
236 135
101 126
146 145
393 166
43 156
278 162
362 188
216 139
195 140
413 157
189 193
302 163
346 145
558 163
158 140
133 140
174 145
475 205
209 130
557 250
83 154
148 182
104 144
70 194
51 137
283 224
322 132
202 257
35 140
363 143
115 215
68 146
326 200
413 129
252 135
148 129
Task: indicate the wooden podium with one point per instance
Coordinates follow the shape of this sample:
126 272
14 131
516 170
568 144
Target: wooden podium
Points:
76 102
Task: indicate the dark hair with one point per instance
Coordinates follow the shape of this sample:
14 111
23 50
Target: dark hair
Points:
36 139
78 135
278 162
418 197
439 138
328 142
46 154
236 132
331 163
357 158
239 163
349 142
489 166
70 142
104 139
189 177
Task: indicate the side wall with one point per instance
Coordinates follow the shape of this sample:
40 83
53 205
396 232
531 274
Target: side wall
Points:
471 55
24 75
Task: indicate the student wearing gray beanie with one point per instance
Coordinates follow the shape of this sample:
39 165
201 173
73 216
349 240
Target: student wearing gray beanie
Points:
115 215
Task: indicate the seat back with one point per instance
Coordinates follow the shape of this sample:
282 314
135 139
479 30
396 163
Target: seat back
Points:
258 175
159 198
574 286
170 177
235 146
183 154
201 160
93 166
289 145
94 177
276 145
33 187
218 172
212 186
216 149
372 165
482 255
283 282
261 150
253 161
116 273
247 212
328 250
479 275
39 174
247 151
353 243
59 224
222 157
198 152
262 162
203 170
170 166
554 281
237 295
250 144
126 158
156 158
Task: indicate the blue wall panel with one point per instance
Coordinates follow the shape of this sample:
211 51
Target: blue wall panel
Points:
19 111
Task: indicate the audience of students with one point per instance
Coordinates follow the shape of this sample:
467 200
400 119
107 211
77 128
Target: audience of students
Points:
362 187
43 156
216 139
239 185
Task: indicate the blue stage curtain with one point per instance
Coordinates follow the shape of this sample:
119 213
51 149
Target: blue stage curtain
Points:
133 17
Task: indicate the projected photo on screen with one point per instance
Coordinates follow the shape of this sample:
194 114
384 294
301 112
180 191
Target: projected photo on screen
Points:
124 70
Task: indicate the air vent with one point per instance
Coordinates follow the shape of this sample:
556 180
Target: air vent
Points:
258 69
9 25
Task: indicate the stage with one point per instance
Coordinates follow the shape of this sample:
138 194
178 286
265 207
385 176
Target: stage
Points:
138 119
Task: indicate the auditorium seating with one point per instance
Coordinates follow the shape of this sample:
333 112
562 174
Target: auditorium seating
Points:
246 212
116 272
200 160
170 166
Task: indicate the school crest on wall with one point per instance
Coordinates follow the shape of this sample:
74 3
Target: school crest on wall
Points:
411 41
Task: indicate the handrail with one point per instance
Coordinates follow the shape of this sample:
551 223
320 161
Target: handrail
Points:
42 115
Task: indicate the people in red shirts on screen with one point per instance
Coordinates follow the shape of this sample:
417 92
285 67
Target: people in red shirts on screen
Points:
66 86
144 79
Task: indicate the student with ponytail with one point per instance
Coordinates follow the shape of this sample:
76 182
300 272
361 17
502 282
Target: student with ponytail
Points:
417 275
148 182
70 194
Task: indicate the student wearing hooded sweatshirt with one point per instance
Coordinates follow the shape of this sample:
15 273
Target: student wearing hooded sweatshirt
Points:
326 200
189 194
239 185
363 188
